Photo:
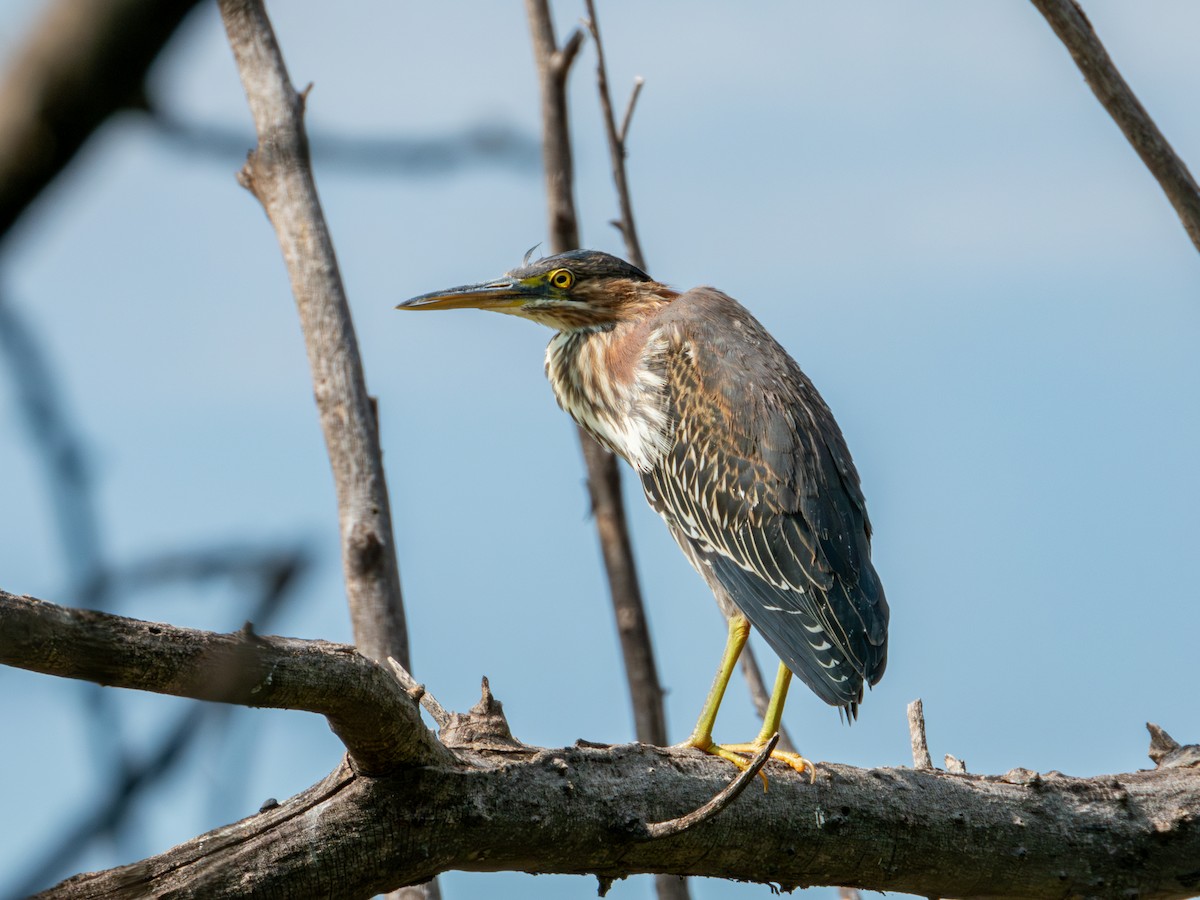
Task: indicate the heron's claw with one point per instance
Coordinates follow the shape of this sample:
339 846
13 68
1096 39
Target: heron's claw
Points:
741 755
795 760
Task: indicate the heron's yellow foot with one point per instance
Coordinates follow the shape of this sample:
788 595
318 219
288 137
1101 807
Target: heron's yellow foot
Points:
795 760
741 755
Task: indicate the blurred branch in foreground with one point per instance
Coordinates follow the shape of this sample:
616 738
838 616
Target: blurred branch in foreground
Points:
112 810
80 63
487 144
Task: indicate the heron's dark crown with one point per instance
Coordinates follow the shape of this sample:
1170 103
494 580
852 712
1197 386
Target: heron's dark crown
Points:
586 265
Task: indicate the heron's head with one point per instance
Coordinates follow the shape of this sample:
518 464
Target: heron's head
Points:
581 289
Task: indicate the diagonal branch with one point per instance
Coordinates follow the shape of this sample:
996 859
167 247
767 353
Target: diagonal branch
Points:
279 174
366 707
1076 32
1021 834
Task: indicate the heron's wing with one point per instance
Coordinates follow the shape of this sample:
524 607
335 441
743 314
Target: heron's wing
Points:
759 488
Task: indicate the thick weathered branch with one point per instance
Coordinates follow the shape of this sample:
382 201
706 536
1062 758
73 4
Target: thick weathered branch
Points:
1076 32
366 707
278 173
1016 835
582 811
80 64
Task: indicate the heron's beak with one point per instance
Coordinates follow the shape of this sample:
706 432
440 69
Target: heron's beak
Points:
504 294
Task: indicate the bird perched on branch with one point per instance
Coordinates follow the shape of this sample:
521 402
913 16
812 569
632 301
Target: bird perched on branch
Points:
736 450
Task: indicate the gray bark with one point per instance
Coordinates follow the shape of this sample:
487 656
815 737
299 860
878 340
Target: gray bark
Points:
465 805
279 174
1067 19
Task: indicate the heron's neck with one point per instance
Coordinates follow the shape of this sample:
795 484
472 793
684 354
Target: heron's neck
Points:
612 381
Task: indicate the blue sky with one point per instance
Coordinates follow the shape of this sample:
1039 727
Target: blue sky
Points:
923 202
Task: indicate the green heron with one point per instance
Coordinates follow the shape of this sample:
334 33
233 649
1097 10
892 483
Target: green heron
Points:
736 451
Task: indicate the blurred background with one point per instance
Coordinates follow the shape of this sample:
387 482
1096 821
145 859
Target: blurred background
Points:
923 202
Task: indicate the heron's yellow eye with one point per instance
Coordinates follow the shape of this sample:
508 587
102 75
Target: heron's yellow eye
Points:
562 278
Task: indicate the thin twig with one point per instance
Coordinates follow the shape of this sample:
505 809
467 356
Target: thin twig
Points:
616 143
279 174
1075 31
638 81
719 802
916 733
418 692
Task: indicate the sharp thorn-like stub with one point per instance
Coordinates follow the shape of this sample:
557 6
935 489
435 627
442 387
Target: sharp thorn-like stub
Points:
1168 753
484 727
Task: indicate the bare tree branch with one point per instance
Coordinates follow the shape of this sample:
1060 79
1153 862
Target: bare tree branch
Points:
370 156
1029 837
1076 32
279 174
604 478
553 65
81 63
1017 835
366 707
616 142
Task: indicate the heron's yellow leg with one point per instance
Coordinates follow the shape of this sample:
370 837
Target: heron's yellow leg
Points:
701 739
783 680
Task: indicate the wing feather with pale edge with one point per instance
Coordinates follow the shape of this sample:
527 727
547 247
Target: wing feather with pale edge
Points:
759 488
